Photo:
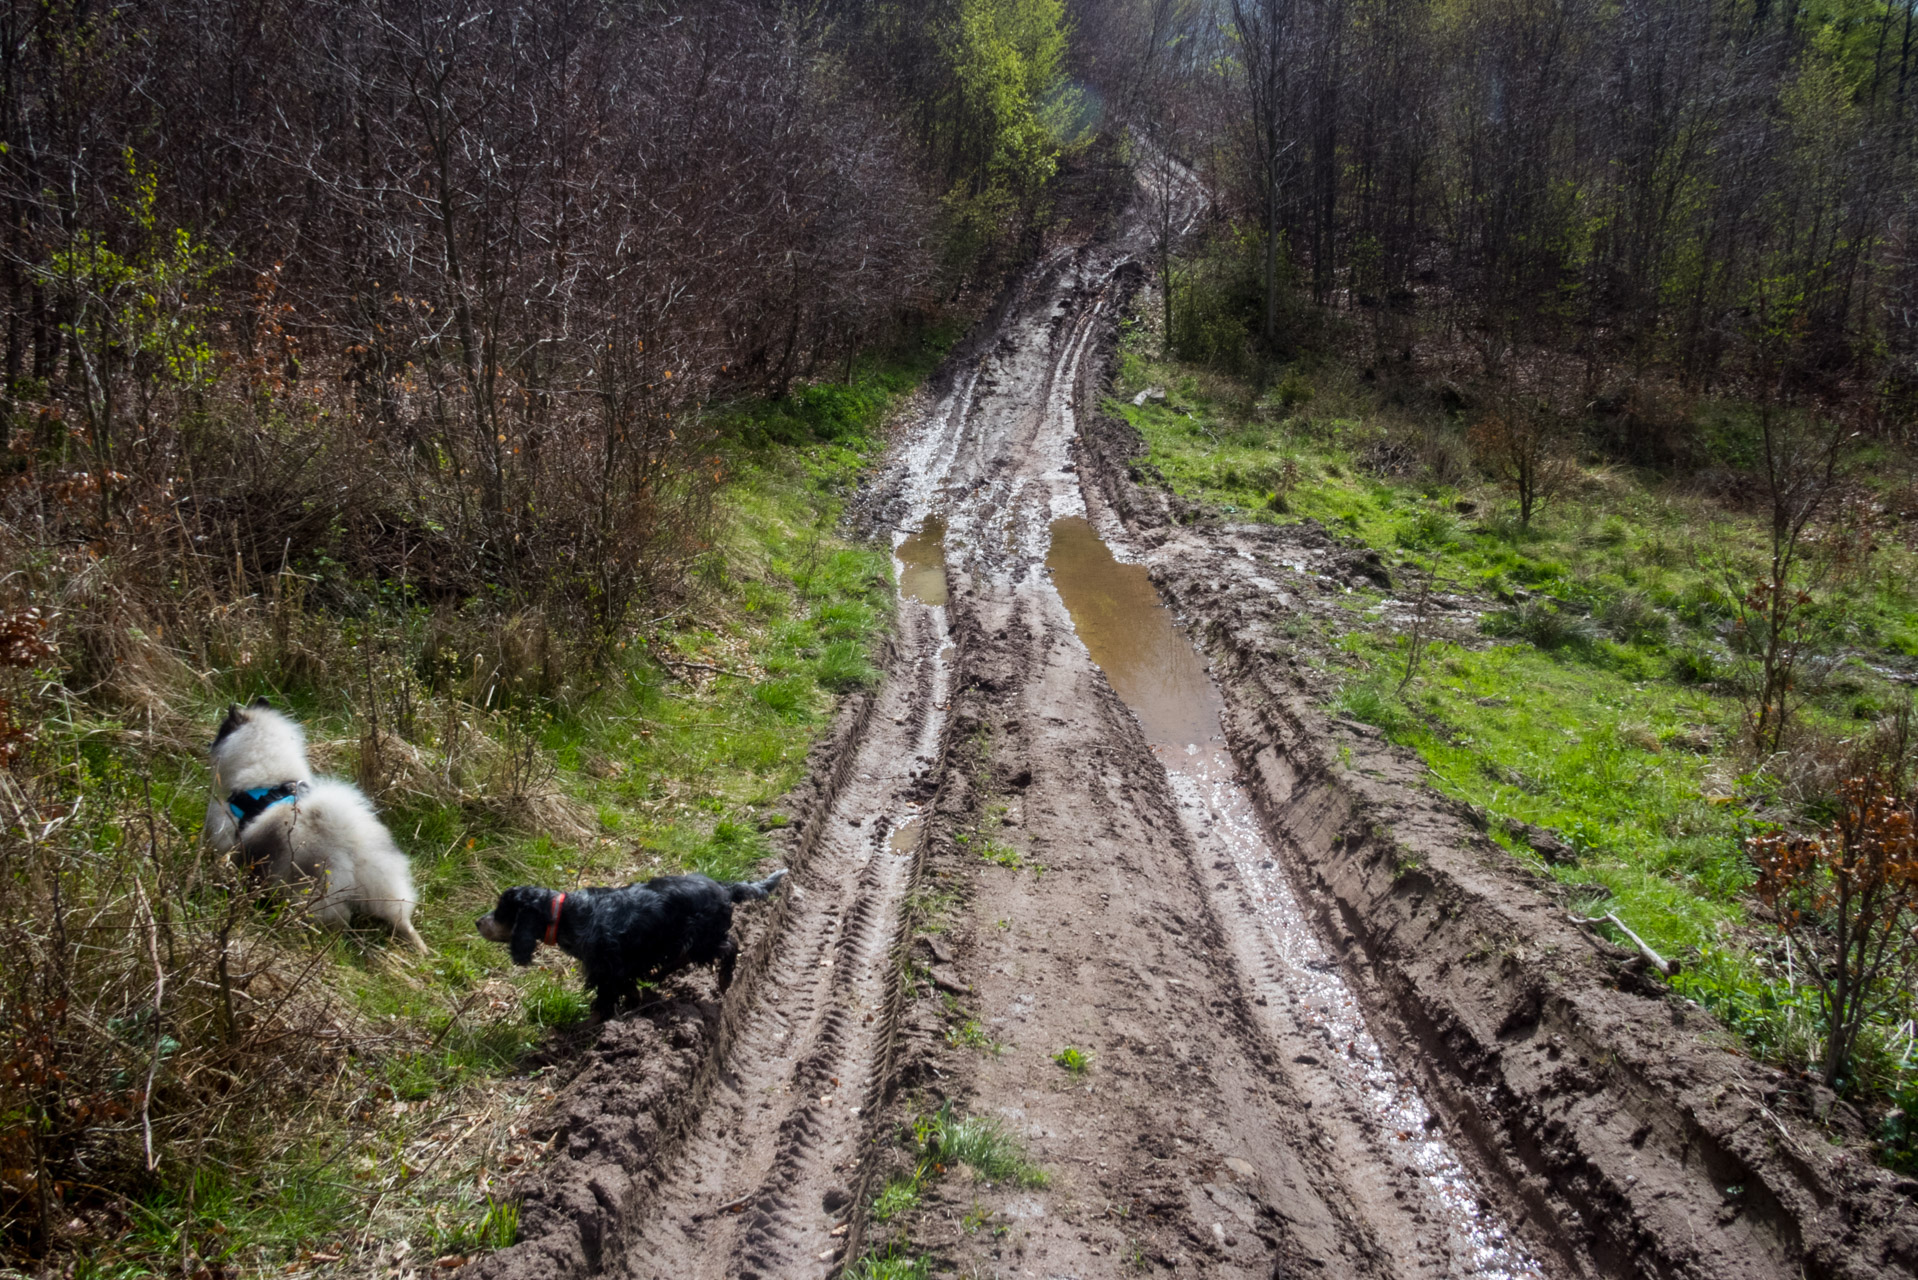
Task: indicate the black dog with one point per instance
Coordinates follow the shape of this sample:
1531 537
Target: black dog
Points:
622 937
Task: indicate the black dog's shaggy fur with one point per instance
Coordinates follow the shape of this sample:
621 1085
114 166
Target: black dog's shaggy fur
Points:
622 937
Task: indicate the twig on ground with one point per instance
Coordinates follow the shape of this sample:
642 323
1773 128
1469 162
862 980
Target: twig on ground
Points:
1656 961
700 666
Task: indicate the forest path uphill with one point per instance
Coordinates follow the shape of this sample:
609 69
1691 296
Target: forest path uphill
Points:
1238 1117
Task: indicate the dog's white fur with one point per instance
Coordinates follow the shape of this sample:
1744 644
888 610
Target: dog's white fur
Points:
327 837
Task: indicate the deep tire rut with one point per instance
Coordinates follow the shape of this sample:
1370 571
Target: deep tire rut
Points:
770 1162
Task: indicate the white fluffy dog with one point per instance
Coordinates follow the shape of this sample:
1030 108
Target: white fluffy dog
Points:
291 827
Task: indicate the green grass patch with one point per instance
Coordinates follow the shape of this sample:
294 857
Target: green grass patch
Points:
1600 706
970 1034
893 1264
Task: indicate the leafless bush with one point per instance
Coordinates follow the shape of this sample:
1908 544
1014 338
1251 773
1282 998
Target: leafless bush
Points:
144 1021
1846 895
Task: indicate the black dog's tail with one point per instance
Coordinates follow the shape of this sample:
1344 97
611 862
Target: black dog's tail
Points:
749 890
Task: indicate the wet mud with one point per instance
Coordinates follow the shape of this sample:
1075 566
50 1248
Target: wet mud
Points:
1330 1029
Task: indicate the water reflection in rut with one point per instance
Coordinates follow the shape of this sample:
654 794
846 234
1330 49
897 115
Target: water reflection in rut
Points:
1314 1015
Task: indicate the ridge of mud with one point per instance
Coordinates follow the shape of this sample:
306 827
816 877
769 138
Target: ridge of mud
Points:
1635 1143
644 1079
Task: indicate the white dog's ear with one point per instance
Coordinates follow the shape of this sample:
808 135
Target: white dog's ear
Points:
234 719
261 703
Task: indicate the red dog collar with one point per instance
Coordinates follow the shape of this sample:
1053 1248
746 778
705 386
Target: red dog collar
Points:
552 929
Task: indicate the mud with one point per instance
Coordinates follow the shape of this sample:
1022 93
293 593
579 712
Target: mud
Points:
1331 1029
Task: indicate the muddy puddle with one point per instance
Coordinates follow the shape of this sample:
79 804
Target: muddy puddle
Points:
922 563
1134 639
1302 1000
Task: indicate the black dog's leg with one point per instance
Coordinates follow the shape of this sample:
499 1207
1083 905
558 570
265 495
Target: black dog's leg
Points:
606 1000
728 957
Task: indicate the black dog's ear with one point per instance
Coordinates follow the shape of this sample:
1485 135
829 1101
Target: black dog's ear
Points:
233 721
529 923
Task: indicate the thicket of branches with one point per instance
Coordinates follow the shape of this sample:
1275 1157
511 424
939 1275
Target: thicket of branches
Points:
1717 189
433 290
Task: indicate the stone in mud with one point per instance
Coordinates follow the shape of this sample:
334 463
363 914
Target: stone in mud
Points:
1544 843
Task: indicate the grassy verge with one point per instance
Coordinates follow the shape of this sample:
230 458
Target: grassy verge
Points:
401 1136
1591 710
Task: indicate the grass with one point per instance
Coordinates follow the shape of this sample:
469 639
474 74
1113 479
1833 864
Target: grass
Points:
946 1139
890 1265
672 762
900 1195
1596 702
941 1141
971 1035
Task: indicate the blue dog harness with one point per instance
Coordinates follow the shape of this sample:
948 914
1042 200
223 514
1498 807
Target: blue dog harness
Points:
254 801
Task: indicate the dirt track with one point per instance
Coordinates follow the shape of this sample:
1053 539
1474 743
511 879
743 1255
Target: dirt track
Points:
1332 1030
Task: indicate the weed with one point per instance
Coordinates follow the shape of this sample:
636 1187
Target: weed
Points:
1073 1060
1369 702
901 1195
497 755
976 1217
971 1035
890 1265
1003 855
978 1142
1548 626
496 1228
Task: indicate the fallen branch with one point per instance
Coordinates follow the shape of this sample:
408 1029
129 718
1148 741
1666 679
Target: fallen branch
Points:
701 666
1656 961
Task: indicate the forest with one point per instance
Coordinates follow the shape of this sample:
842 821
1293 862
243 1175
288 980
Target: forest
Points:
487 384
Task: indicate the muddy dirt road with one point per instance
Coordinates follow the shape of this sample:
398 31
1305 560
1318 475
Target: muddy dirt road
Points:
1063 829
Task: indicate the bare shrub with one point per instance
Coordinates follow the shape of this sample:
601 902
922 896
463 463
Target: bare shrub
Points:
144 1021
1846 895
1523 446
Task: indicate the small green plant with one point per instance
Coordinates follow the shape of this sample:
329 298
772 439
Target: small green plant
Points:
1074 1060
843 667
1003 855
497 1228
901 1195
890 1265
1545 625
970 1035
976 1217
1369 702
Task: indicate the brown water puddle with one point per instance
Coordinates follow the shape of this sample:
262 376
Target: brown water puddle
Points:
1304 1004
922 560
1133 638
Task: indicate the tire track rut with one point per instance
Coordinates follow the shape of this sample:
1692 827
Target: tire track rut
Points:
768 1165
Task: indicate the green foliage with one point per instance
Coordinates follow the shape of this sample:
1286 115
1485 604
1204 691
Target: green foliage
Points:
497 1227
945 1138
900 1195
1369 701
844 666
1076 1061
1006 113
1599 713
1549 626
154 300
971 1035
890 1265
680 760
